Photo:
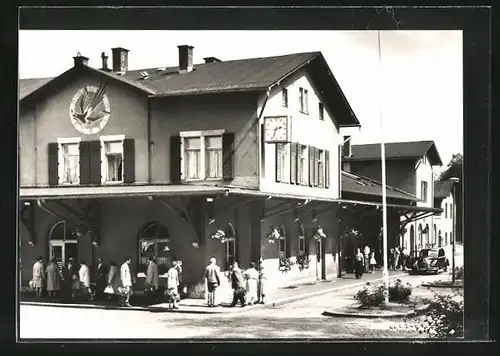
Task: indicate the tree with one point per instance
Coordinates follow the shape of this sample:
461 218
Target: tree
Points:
454 168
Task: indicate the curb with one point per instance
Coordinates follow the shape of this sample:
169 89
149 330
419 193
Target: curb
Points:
377 316
270 304
293 298
430 285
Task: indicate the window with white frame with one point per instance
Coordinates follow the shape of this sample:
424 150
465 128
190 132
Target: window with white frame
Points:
112 158
282 247
69 160
446 210
202 154
284 97
321 110
303 100
451 210
303 164
229 253
321 168
283 162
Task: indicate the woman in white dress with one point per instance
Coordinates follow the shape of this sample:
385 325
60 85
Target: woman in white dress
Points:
252 277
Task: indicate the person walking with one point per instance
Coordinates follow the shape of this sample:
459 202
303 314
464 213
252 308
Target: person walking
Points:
366 260
396 258
152 279
84 274
100 277
38 276
173 286
261 288
238 285
113 280
212 272
252 277
54 277
126 283
373 262
358 263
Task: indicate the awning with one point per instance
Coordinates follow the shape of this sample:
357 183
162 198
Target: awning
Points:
117 191
186 190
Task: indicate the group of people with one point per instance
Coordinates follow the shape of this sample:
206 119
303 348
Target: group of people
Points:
365 261
248 285
67 282
73 282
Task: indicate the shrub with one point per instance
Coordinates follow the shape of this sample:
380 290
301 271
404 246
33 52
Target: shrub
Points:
443 319
400 292
303 262
285 264
370 296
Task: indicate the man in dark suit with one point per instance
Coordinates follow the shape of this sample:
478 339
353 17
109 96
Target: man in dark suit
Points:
100 278
238 285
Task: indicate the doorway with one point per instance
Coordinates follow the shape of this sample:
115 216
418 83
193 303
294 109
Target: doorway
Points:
63 243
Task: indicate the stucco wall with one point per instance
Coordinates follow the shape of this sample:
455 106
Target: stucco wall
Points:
50 115
235 113
307 129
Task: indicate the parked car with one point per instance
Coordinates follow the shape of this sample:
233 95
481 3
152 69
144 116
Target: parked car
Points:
430 260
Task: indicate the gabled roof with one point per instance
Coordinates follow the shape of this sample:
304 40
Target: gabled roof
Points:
396 150
254 74
442 189
33 86
353 183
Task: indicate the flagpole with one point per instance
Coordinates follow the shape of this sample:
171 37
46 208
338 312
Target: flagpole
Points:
385 272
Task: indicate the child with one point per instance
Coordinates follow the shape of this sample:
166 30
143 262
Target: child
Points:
373 262
172 286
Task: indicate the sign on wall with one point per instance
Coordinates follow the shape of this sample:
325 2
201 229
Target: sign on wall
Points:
89 110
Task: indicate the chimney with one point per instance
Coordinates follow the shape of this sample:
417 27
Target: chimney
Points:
185 58
120 59
105 62
346 151
80 60
211 59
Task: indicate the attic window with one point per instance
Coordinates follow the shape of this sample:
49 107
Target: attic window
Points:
161 69
144 75
120 73
361 183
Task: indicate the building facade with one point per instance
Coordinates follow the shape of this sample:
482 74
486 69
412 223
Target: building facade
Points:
409 167
164 162
443 199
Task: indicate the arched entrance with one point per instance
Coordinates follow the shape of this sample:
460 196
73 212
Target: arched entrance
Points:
412 238
153 238
427 233
63 242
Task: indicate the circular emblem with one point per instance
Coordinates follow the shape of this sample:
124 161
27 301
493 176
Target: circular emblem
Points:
89 110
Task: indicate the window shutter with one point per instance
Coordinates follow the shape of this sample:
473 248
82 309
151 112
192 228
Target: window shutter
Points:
316 166
128 160
228 155
279 158
53 163
95 162
327 169
311 165
84 149
175 159
293 163
300 168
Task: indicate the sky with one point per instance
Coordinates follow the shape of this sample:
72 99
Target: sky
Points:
414 82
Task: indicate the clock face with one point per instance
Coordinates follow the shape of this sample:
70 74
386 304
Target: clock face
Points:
89 110
276 129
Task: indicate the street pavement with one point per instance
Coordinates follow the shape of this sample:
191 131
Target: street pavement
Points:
297 319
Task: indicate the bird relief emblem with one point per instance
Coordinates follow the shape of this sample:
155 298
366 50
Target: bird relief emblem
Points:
89 109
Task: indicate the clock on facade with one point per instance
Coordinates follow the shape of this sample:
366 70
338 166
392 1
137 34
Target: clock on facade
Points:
276 129
89 110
